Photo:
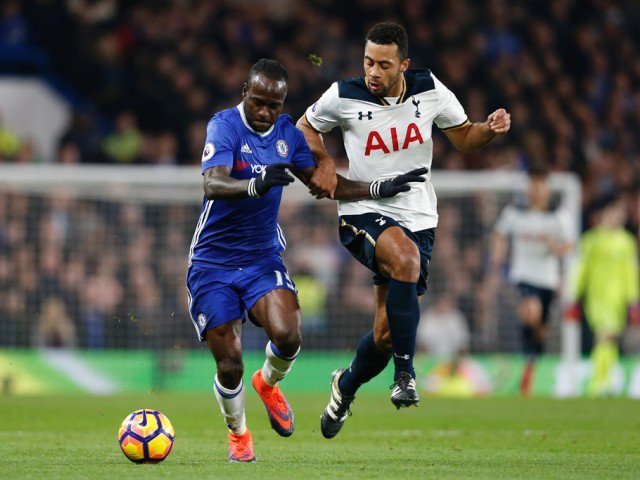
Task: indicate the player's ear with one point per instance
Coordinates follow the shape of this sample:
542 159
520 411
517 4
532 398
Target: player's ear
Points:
245 89
404 65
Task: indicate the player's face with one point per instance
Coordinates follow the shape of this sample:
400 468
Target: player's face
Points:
615 215
263 99
539 193
383 69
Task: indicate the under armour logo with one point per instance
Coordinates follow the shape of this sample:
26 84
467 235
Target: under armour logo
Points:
369 115
416 103
381 221
404 357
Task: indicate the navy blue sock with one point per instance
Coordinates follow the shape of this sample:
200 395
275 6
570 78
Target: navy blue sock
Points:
403 314
368 362
529 344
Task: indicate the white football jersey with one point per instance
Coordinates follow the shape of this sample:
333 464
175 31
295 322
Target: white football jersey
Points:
531 231
384 140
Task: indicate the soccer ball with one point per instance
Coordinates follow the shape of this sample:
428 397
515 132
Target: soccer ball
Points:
146 436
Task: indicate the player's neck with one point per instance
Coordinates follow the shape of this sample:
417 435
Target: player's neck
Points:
539 206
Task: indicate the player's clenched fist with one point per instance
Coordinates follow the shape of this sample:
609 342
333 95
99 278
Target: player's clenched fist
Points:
324 181
272 176
390 188
499 121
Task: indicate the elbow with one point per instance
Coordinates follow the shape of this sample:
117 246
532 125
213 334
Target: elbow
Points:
210 191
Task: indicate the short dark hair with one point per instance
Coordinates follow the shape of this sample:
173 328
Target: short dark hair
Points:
387 33
269 68
606 200
539 170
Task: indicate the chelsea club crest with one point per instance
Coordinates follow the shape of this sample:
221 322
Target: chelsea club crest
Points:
282 148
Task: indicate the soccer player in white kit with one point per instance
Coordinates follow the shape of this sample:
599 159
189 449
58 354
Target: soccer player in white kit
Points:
386 118
539 237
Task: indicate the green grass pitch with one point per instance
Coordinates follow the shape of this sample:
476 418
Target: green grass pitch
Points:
75 437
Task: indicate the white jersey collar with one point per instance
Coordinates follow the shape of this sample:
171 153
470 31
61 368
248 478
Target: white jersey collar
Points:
246 124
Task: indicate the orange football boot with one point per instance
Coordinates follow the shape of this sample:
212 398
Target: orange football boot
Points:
241 447
278 409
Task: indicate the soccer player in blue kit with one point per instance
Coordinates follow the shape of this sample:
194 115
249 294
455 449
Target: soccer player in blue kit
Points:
235 268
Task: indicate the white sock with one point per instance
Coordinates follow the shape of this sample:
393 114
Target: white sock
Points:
276 366
232 406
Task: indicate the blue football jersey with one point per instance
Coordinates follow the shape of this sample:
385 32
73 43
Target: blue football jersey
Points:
236 233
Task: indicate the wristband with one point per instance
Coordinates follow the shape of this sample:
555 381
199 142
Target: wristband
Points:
251 188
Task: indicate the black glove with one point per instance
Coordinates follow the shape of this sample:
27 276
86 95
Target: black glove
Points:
272 176
390 188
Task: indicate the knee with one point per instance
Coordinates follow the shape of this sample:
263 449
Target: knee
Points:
530 312
230 371
405 263
287 340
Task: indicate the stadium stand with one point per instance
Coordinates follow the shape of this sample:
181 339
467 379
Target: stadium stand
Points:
143 78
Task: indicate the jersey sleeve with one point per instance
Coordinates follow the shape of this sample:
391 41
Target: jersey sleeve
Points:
302 157
324 115
219 146
505 220
450 111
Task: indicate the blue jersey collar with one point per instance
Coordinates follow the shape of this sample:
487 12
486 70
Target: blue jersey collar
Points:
246 124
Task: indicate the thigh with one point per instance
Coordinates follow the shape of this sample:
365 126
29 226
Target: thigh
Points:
213 300
260 281
397 254
360 233
278 311
534 303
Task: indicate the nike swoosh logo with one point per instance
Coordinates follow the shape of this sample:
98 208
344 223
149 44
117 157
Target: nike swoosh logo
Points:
283 415
283 419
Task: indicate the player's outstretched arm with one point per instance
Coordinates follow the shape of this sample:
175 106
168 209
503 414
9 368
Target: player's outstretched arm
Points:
218 184
354 190
323 182
473 136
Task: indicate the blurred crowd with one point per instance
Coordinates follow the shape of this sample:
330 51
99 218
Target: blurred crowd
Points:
75 272
85 273
567 70
156 70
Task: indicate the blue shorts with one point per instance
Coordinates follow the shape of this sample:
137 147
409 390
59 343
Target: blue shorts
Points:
359 234
220 295
543 294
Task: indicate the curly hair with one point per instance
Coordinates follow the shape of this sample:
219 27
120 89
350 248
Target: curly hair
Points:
388 33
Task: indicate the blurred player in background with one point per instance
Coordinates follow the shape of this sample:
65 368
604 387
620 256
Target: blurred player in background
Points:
606 283
386 118
539 238
235 267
